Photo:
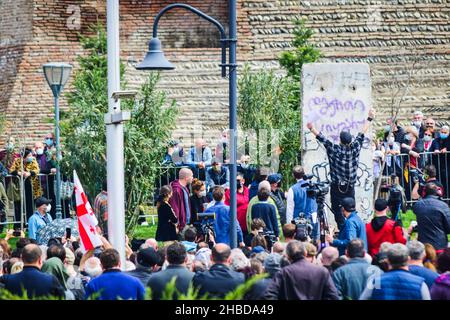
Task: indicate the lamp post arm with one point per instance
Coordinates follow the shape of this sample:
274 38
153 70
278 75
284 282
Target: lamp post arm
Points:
193 10
223 39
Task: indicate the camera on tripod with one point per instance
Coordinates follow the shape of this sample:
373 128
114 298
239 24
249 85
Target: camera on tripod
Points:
303 227
315 189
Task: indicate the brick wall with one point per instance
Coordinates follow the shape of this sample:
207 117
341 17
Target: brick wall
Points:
391 35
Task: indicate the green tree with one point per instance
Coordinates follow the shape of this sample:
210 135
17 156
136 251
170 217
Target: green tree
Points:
84 132
269 102
293 60
265 106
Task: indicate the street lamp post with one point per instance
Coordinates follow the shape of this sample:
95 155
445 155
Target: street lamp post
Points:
155 60
57 74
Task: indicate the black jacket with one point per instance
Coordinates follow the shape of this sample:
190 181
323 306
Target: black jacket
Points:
302 280
141 273
218 281
159 280
166 230
433 221
35 282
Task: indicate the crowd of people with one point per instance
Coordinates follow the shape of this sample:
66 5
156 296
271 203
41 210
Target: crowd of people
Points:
281 233
414 155
37 166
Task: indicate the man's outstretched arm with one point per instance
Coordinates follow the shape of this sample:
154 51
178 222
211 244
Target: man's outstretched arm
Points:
368 121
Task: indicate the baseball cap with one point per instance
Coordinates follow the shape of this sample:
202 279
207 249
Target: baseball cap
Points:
42 200
349 204
274 178
147 257
380 204
258 249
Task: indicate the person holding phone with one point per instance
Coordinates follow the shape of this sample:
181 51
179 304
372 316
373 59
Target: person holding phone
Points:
40 218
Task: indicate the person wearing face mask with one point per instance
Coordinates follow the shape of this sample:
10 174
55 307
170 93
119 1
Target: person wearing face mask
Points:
7 155
343 161
198 200
167 219
49 141
412 146
31 181
40 218
242 199
440 158
217 175
393 128
418 123
45 167
392 161
200 157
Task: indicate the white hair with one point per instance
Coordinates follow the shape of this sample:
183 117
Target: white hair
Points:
17 267
418 113
93 267
238 260
445 128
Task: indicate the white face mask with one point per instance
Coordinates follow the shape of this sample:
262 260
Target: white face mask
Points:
202 193
49 208
426 138
39 151
417 123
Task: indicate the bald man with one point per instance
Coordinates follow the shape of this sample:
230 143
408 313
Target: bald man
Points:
180 201
200 157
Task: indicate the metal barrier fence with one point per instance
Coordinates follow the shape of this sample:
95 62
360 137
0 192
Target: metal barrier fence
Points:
408 170
21 193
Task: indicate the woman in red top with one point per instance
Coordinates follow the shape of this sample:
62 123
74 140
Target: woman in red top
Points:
242 199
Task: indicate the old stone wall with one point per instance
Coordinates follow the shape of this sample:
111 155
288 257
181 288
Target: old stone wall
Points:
406 43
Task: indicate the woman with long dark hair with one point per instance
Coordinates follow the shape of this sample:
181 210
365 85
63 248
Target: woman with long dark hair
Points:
167 220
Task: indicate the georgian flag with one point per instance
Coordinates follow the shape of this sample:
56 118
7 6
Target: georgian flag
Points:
86 218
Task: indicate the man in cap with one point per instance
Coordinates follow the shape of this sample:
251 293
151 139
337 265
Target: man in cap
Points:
217 175
40 218
344 160
353 227
382 229
146 260
277 195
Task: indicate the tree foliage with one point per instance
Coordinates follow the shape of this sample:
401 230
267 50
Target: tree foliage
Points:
84 132
271 102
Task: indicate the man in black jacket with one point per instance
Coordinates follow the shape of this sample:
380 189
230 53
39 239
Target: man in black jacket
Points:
220 279
36 284
433 218
176 256
301 280
147 259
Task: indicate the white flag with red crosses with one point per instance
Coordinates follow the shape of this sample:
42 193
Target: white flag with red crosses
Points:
86 218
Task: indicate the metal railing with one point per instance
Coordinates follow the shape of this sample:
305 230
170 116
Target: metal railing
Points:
408 171
21 197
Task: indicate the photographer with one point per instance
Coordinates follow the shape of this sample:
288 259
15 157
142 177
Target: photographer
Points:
298 202
429 175
343 159
222 218
352 228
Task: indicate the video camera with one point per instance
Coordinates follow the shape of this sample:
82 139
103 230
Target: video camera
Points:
270 237
315 189
303 227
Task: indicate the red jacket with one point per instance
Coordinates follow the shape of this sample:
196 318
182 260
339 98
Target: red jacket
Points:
242 204
381 230
178 204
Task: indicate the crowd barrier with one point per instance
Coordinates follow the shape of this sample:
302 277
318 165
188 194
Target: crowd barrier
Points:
21 197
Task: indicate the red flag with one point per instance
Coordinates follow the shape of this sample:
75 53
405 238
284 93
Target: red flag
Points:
86 218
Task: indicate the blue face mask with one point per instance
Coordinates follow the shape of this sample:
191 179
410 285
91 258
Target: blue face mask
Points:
49 142
443 135
29 159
